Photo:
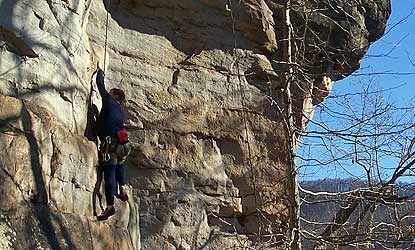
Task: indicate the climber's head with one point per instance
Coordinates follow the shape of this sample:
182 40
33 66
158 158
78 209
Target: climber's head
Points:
117 94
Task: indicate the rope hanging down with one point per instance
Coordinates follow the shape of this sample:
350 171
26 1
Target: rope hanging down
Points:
244 117
106 34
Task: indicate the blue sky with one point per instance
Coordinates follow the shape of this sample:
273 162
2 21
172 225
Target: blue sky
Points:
397 48
399 45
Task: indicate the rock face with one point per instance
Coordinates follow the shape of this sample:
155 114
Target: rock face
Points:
203 79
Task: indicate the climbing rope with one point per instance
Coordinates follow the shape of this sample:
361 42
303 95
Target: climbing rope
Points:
244 117
106 34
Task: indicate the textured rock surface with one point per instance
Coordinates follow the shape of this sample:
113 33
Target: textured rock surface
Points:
48 176
179 61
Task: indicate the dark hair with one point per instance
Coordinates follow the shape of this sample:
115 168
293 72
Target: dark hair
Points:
120 94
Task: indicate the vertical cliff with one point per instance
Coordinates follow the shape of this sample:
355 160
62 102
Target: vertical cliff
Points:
205 85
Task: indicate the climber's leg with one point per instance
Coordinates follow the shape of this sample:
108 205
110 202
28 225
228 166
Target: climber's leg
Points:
120 177
120 174
110 186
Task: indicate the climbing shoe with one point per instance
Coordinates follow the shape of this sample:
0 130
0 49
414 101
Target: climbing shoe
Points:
109 211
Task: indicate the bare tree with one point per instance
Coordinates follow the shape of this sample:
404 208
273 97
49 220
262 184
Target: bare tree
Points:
370 140
364 131
309 60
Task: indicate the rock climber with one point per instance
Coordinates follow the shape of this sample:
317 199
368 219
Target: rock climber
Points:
114 146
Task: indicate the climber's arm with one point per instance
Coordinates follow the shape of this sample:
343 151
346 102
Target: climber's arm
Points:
100 83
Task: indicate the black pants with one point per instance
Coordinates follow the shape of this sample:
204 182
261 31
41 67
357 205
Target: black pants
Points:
113 174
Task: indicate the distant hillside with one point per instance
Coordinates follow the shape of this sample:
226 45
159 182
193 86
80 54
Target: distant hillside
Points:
391 221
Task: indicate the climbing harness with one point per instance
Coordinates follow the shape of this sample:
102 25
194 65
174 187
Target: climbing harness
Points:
115 150
105 149
121 149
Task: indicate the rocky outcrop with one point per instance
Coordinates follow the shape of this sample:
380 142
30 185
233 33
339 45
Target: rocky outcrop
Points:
203 80
48 178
